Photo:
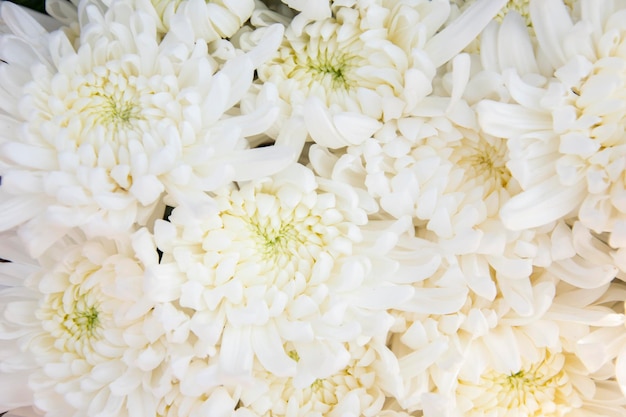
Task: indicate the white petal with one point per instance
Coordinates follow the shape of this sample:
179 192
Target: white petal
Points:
620 370
510 120
259 162
582 273
521 57
436 300
236 352
449 42
263 51
62 11
546 202
268 347
518 294
21 21
355 128
552 23
29 156
147 189
17 210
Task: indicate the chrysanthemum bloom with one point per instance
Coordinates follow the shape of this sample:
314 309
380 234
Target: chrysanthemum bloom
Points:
83 327
486 360
565 133
369 62
288 258
440 168
359 389
95 136
553 384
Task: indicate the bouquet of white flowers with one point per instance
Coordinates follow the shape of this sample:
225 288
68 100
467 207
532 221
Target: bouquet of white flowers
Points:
313 208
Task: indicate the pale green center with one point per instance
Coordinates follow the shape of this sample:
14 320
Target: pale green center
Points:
331 69
521 382
322 65
83 321
275 242
117 111
485 161
87 320
112 107
540 390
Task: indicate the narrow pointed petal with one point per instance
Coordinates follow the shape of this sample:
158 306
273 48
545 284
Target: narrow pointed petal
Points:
552 23
449 42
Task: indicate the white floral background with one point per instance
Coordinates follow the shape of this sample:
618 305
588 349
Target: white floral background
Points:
313 208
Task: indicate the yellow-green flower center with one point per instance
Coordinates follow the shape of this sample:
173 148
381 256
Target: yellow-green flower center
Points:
275 241
86 320
330 69
541 389
485 161
83 320
116 112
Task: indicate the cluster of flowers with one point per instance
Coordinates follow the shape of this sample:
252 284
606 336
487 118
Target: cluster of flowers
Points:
313 208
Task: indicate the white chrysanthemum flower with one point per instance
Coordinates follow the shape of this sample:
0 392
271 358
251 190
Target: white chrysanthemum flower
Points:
86 324
356 390
289 258
452 178
542 387
99 342
94 137
565 369
486 360
564 135
368 62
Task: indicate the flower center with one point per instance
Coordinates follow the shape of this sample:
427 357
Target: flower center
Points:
276 242
266 234
539 390
521 383
116 111
112 104
329 69
485 161
84 319
334 67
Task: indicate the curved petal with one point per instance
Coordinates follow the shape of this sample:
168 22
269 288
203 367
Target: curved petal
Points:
552 23
513 31
449 42
542 204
